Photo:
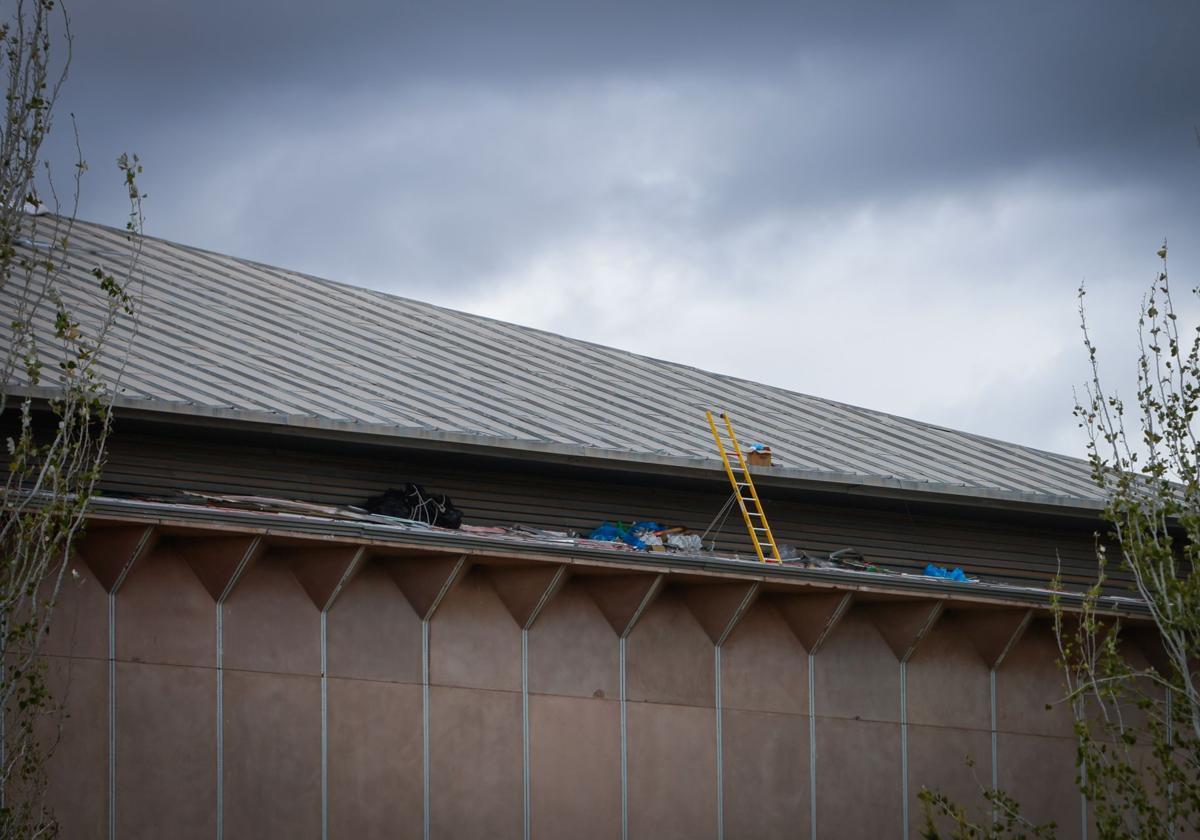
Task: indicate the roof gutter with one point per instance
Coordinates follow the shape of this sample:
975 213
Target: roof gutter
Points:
299 525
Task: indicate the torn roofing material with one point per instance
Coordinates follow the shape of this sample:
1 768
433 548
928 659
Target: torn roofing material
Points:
228 338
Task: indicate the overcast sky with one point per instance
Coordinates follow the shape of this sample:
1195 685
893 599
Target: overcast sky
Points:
888 204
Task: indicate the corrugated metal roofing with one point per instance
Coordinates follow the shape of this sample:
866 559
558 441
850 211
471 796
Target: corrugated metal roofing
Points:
221 336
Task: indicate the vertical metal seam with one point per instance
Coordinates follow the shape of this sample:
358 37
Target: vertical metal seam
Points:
220 606
220 724
651 591
1169 709
812 752
112 682
425 725
347 573
624 750
904 746
112 714
995 734
720 753
324 730
525 726
1083 803
547 594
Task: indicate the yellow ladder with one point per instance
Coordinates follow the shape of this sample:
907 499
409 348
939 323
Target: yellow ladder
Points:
751 507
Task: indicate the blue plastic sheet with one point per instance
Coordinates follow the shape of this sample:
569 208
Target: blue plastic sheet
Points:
608 532
946 574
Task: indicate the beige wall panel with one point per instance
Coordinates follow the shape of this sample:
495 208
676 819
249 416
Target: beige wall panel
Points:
937 760
766 775
669 657
763 667
1039 772
1027 681
574 767
473 640
78 768
371 631
79 626
475 763
375 758
166 751
858 778
672 771
856 675
270 623
573 650
272 755
165 615
948 683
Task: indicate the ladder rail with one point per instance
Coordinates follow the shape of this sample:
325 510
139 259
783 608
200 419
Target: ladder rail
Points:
734 482
751 529
737 447
725 460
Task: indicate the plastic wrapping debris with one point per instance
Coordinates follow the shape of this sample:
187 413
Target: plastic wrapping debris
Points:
608 532
644 536
948 574
685 542
841 560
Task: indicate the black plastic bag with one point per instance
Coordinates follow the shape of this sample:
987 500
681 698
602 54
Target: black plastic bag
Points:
413 502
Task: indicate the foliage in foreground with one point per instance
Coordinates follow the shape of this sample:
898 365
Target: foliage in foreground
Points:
1137 723
62 354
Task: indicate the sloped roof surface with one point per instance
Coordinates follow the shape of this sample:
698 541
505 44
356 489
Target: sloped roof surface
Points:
225 336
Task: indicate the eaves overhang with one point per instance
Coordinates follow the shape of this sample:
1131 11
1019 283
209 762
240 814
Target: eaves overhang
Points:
295 529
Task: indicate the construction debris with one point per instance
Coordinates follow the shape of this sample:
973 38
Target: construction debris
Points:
414 503
946 574
642 535
648 536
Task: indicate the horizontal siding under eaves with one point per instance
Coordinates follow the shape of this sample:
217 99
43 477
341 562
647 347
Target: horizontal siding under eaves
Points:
1024 554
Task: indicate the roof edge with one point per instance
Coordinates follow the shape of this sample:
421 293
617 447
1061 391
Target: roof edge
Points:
306 426
283 525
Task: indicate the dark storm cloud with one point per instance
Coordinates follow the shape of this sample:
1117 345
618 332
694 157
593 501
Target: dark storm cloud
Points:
859 99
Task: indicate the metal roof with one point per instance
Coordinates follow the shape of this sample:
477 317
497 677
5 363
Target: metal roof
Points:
227 337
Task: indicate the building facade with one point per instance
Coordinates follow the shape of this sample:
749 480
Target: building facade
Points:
241 654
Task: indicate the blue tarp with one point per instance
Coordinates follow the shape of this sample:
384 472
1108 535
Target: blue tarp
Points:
945 574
